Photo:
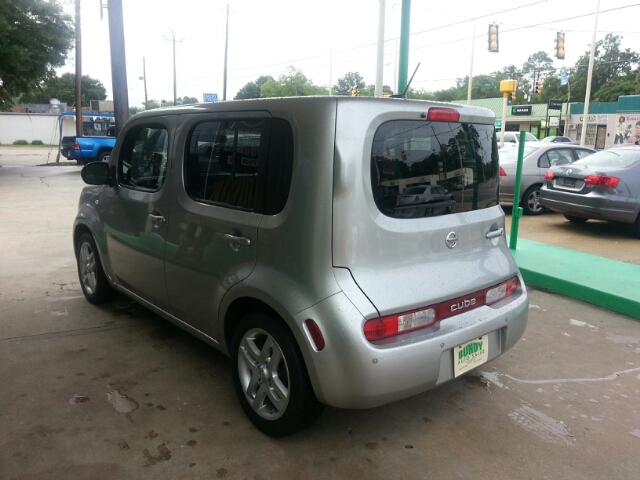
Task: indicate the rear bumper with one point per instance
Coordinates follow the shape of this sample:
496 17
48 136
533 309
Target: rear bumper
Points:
592 205
350 372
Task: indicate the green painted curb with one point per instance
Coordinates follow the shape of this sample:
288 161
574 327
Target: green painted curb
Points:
597 280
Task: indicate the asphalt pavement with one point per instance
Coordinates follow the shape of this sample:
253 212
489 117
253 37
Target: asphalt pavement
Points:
117 392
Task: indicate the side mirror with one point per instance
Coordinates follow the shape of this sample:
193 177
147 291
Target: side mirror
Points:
95 173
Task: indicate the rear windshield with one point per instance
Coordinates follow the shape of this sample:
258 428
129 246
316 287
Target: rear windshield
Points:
611 158
461 158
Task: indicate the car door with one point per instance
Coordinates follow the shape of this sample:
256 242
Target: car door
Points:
212 238
137 211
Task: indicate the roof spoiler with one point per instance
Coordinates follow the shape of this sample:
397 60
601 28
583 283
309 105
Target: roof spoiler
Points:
406 89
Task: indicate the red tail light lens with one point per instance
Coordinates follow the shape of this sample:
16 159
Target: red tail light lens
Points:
502 172
439 114
416 199
549 175
76 145
602 181
392 325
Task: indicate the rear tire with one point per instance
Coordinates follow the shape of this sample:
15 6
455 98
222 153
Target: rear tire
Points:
576 220
93 280
104 156
530 202
270 377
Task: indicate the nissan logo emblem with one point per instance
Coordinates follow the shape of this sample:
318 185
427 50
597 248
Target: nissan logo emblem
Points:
452 240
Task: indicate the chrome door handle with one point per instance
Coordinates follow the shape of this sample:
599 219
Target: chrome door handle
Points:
234 240
494 233
157 220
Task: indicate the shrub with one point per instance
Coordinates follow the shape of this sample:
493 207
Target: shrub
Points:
21 142
37 142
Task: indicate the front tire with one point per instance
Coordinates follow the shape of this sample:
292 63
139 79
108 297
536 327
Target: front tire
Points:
270 377
531 201
93 280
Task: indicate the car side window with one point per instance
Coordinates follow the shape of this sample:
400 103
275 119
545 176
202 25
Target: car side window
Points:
560 156
142 164
543 161
244 163
582 152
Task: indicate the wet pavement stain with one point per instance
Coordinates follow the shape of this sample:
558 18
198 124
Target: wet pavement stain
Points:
149 404
160 407
121 403
192 443
471 381
371 446
163 454
193 430
78 399
123 445
165 333
151 434
427 420
221 473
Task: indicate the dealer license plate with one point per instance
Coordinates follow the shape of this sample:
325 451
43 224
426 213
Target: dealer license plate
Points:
469 355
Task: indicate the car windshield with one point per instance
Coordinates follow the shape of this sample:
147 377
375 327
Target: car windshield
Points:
511 154
617 158
529 137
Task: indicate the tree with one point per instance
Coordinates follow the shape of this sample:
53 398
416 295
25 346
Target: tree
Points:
537 66
610 63
35 36
293 83
347 82
252 89
186 100
64 89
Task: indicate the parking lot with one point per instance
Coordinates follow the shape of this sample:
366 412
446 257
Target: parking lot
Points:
117 392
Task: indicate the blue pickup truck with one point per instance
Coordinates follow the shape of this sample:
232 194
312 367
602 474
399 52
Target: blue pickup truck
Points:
96 142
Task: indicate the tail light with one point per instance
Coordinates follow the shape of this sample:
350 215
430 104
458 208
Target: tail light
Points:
502 172
76 145
601 181
392 325
549 175
439 114
416 199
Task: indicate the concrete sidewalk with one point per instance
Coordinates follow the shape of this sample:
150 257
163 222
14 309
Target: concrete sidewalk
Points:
609 284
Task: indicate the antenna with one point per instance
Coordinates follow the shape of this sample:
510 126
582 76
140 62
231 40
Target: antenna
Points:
406 89
102 7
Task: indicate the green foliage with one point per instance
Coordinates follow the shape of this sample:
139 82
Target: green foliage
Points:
37 142
35 36
347 82
187 100
64 89
20 142
610 63
250 90
293 83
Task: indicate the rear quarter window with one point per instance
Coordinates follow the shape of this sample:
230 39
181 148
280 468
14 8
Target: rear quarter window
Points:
460 158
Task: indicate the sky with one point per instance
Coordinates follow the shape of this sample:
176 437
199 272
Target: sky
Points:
329 38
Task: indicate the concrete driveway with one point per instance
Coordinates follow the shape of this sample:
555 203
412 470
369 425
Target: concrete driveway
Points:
117 392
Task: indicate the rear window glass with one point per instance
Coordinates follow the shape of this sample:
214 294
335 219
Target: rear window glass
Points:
611 158
408 156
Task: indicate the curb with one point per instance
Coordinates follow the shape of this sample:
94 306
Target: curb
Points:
597 280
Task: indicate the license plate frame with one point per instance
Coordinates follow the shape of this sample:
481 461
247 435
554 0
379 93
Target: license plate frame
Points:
470 355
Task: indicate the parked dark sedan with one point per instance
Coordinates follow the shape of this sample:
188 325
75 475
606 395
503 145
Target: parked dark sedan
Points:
604 186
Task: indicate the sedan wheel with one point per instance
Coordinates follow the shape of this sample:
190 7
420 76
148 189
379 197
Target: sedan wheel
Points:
270 377
531 201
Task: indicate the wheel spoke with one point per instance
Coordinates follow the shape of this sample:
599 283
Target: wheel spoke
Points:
261 394
278 394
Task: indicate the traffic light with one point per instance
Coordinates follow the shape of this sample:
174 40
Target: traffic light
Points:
386 94
538 88
559 47
492 38
355 92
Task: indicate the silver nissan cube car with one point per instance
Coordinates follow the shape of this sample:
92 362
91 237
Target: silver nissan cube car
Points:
275 230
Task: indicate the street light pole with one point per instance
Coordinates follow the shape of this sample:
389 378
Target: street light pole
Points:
585 114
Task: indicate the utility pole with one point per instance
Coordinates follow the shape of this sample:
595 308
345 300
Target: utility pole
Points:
175 88
380 51
226 50
144 77
78 71
473 44
589 77
118 65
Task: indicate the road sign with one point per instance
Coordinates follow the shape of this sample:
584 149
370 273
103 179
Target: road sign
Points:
555 104
210 97
554 121
521 110
564 79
